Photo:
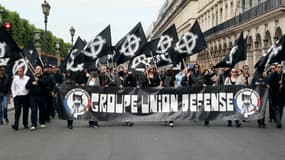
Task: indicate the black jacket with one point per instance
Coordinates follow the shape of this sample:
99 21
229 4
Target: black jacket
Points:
5 84
37 90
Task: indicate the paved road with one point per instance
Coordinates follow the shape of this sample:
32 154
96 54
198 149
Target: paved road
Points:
147 141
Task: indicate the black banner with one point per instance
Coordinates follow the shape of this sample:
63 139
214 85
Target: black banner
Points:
166 104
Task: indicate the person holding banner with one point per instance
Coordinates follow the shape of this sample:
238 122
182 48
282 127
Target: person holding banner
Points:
153 77
195 78
120 77
245 76
104 77
93 81
130 81
233 80
210 78
68 81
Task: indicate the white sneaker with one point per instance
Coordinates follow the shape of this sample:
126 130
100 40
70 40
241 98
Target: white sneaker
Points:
171 124
33 128
43 126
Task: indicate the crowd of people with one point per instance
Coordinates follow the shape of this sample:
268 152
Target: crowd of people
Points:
37 93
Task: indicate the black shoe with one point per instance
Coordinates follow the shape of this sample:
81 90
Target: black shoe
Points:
14 127
263 126
1 122
69 126
238 125
230 124
130 124
279 126
206 123
6 120
26 127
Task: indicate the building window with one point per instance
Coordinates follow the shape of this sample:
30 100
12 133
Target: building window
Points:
221 15
243 5
217 18
232 8
226 12
250 4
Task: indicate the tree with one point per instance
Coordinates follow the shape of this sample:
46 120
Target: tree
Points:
23 32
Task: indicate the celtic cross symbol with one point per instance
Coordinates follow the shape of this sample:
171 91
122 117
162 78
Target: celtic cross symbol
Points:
273 52
187 43
2 49
3 61
131 45
69 64
140 59
164 44
93 48
20 64
232 52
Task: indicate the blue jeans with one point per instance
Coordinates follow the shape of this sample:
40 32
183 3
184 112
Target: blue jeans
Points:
3 107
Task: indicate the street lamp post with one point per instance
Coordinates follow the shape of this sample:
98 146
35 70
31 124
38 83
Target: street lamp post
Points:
46 8
72 33
57 48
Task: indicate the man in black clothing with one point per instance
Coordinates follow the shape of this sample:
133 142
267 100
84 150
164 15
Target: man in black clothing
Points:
50 91
5 84
37 86
274 87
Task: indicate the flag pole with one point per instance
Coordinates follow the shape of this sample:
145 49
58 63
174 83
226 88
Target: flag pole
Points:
29 65
211 58
155 63
183 61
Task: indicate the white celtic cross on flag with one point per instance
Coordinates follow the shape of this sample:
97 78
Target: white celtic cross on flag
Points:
273 51
232 52
164 44
95 47
21 63
3 61
187 43
69 65
131 45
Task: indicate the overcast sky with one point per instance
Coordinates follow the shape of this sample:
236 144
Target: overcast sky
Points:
88 17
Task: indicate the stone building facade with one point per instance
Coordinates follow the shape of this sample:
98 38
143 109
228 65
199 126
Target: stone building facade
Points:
263 21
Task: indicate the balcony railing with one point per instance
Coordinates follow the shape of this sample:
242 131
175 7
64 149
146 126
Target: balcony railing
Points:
254 12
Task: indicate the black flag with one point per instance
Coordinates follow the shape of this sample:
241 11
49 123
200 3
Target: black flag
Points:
9 50
192 42
131 45
162 48
69 62
141 63
11 55
273 54
99 47
238 53
32 55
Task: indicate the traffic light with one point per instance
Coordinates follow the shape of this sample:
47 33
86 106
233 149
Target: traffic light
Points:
8 26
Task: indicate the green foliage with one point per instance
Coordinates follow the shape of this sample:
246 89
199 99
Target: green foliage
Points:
23 32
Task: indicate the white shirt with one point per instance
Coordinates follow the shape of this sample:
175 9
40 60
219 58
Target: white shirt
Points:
18 87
